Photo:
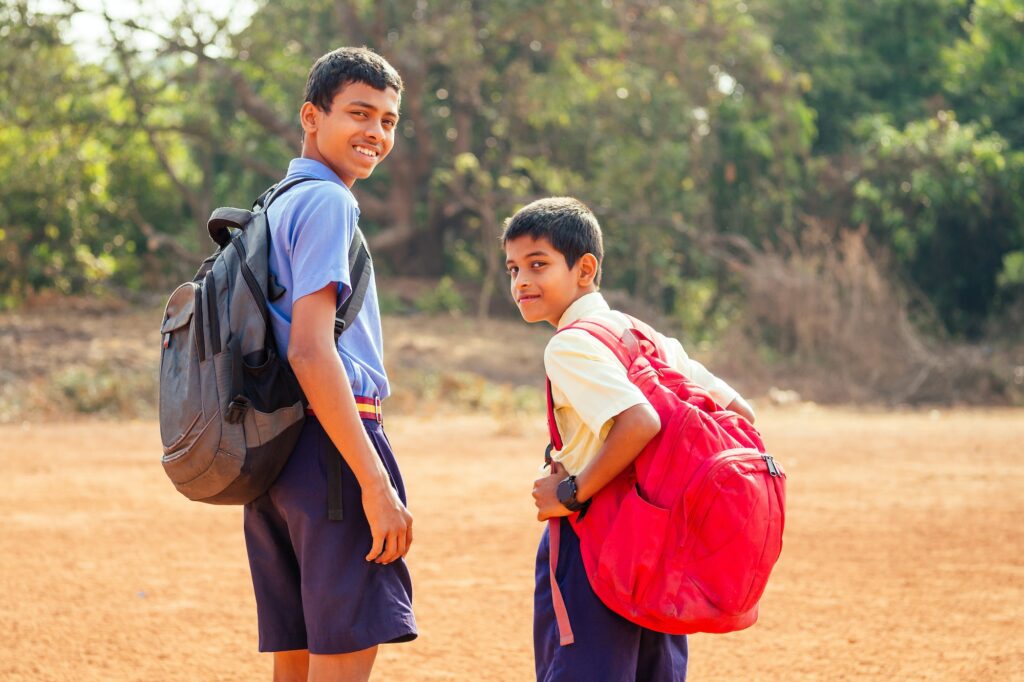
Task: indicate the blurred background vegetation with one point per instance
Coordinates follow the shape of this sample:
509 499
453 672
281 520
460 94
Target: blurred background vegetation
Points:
827 189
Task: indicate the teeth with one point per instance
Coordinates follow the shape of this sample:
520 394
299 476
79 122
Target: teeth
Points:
372 153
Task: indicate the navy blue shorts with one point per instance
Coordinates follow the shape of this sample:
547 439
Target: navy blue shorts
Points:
608 648
314 587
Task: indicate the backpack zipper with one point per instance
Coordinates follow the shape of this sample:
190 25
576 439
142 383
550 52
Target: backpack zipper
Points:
197 317
250 280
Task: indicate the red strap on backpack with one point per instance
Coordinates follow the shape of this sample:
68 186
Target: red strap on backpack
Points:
565 635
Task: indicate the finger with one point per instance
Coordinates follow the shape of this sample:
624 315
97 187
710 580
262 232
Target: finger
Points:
557 468
396 546
403 544
390 549
377 548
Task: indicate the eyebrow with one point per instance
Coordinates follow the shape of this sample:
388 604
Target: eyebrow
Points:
532 254
367 105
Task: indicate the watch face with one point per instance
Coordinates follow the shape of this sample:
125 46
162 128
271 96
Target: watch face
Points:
565 492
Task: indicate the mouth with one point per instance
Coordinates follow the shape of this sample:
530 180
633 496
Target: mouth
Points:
368 152
527 299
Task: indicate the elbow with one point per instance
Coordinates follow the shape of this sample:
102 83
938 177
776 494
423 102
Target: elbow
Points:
300 357
649 424
742 408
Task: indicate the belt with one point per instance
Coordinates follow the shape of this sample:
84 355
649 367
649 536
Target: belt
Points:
368 408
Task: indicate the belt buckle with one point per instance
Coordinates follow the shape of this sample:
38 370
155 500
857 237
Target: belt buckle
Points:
377 410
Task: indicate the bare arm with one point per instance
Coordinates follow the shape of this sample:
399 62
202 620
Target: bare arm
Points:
315 361
632 431
742 408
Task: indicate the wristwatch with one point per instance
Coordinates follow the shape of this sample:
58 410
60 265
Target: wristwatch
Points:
567 495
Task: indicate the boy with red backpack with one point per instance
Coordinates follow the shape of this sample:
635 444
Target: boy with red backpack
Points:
602 413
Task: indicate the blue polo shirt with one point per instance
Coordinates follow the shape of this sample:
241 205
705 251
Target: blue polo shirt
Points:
311 229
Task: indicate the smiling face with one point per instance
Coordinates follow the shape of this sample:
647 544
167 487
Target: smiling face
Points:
356 134
542 284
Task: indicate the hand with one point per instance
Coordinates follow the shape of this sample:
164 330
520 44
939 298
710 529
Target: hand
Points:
545 493
390 524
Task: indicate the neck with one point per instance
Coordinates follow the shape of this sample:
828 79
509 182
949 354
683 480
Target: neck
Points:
310 151
579 294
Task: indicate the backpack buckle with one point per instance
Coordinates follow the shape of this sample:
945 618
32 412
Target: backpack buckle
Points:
236 410
376 408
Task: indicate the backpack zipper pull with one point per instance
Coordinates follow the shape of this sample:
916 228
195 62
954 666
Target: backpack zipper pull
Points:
773 470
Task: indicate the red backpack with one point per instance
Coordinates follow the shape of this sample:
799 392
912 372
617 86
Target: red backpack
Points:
683 540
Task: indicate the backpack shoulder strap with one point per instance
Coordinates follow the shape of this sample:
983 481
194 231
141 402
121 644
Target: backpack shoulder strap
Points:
360 269
556 438
645 332
624 347
360 265
264 200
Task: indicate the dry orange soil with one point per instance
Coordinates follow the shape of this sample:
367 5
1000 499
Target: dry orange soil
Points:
903 557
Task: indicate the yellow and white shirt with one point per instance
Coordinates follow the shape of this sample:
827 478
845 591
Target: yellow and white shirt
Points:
589 385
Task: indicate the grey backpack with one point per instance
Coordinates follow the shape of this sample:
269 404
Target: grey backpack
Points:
231 409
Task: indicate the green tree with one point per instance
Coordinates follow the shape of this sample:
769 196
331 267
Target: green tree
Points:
949 201
985 68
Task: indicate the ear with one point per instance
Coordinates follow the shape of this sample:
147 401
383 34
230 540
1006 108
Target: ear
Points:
588 269
309 117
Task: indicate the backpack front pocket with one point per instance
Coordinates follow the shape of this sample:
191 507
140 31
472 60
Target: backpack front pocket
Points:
180 389
632 550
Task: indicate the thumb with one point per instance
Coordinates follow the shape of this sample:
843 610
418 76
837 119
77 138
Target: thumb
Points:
557 468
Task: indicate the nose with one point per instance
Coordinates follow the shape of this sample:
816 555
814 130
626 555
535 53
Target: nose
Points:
375 130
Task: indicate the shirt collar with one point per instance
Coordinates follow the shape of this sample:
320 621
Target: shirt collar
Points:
313 168
584 306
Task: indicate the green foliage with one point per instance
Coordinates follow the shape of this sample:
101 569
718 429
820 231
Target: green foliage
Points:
443 298
985 68
950 202
882 57
684 125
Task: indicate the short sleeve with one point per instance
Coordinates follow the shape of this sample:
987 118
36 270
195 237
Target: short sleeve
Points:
319 242
591 377
722 392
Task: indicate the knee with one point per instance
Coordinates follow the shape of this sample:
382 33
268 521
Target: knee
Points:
291 666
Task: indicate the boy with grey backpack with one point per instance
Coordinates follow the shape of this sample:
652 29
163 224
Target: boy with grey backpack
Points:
300 442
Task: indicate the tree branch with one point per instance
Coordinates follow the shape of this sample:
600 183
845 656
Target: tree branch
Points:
155 240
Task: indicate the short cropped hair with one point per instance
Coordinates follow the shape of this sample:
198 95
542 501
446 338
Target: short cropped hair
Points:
346 65
566 222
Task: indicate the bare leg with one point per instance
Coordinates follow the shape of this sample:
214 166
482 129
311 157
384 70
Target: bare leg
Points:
291 666
354 667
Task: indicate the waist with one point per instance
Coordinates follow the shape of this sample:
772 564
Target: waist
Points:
368 409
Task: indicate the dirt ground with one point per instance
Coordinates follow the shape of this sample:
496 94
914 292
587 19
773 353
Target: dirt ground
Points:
902 557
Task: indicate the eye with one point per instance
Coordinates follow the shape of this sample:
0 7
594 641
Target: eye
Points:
388 123
513 271
537 264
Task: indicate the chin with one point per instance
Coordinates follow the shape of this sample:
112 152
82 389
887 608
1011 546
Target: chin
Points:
530 319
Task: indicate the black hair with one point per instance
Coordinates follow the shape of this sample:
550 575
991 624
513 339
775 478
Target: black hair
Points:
567 223
346 65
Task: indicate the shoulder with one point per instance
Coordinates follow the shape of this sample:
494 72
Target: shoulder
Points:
315 197
312 208
571 345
